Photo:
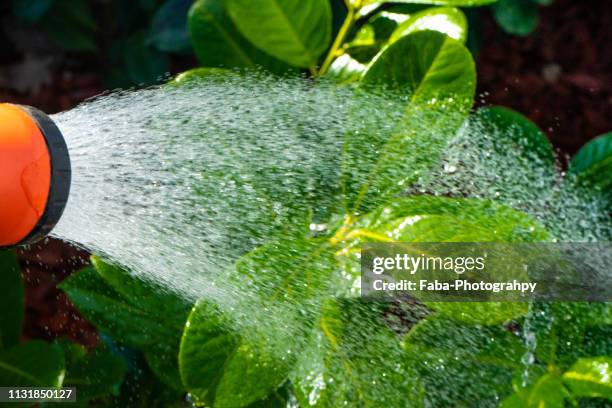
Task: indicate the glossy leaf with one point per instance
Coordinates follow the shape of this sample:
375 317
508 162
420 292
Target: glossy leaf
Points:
480 312
279 398
568 331
197 74
222 368
162 359
364 46
231 359
217 42
133 312
439 219
293 269
118 315
345 69
293 31
385 23
374 35
352 360
381 162
465 365
32 364
447 20
438 77
169 27
593 163
434 69
96 373
590 377
11 302
519 17
164 304
520 129
547 392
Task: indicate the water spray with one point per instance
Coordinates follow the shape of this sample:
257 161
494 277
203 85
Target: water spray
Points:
36 174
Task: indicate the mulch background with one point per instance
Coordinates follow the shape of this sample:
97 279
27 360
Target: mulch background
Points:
560 77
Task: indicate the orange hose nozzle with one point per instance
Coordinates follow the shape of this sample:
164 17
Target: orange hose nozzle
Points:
34 175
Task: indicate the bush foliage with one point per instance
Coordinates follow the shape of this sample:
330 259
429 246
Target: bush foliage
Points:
158 347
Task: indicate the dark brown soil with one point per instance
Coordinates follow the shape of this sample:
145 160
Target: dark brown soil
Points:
49 313
561 77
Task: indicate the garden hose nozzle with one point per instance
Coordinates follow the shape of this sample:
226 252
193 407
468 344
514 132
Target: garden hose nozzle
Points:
34 175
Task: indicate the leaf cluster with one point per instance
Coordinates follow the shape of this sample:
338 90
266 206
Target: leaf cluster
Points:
300 334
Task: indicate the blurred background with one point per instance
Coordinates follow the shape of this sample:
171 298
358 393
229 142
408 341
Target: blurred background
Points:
548 59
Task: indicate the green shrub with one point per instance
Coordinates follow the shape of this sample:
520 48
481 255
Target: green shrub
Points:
320 344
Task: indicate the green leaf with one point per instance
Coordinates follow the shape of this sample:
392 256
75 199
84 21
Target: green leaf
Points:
11 301
567 331
371 37
30 11
385 22
148 295
433 68
108 310
519 17
437 73
590 377
138 321
223 368
480 312
280 398
440 219
364 46
447 20
380 162
195 75
465 365
593 163
162 358
32 364
217 42
169 27
345 70
134 312
293 31
233 355
520 129
451 3
547 392
352 360
97 373
290 269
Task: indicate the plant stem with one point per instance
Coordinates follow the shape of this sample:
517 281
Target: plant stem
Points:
344 30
